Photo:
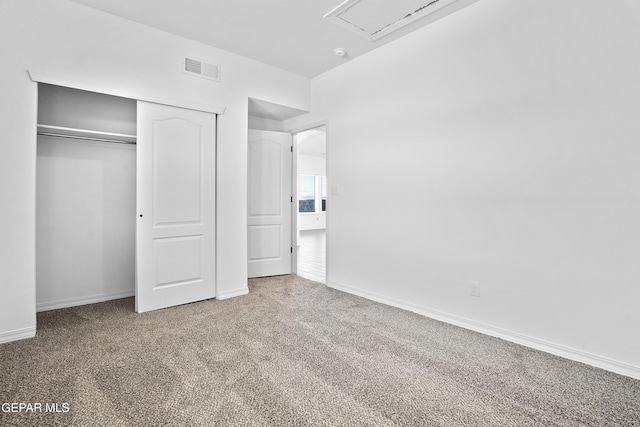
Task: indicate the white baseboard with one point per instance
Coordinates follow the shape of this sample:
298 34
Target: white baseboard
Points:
18 334
233 293
90 299
608 364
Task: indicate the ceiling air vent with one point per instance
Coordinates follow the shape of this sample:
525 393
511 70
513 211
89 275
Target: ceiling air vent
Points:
373 19
198 68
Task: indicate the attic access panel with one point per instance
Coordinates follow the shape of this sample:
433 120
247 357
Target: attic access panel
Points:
373 19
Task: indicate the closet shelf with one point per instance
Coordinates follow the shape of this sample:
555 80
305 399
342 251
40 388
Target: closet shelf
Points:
85 134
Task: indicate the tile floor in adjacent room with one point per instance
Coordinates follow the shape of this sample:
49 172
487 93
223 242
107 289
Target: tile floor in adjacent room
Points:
312 255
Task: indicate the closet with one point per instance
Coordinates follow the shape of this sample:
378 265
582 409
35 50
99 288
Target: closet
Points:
125 200
85 197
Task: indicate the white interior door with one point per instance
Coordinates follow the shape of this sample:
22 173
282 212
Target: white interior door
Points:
269 203
175 233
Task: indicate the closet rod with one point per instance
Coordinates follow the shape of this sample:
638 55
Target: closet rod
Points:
85 134
86 138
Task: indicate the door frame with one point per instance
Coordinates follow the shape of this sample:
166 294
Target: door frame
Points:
294 214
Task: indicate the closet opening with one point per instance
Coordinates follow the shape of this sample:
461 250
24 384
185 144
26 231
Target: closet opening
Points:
85 197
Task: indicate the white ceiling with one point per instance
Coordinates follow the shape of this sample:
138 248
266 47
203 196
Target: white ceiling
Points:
288 34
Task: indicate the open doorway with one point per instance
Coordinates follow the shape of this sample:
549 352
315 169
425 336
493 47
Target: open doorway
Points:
311 203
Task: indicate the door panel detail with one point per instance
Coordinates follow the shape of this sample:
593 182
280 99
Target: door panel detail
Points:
268 245
188 249
266 176
177 172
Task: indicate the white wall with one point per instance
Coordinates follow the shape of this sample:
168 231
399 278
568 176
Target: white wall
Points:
62 106
86 210
312 165
62 38
502 147
260 123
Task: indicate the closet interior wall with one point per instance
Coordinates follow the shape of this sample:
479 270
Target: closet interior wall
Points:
85 198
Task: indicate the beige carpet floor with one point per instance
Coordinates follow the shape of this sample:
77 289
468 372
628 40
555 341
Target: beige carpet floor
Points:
294 352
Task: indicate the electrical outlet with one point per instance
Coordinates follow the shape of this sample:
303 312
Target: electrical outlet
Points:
475 289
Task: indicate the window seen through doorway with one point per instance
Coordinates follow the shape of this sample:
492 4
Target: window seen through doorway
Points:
312 196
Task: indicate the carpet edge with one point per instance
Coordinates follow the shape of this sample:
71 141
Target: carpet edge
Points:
575 355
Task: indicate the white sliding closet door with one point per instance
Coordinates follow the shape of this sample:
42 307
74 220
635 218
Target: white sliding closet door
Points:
175 237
